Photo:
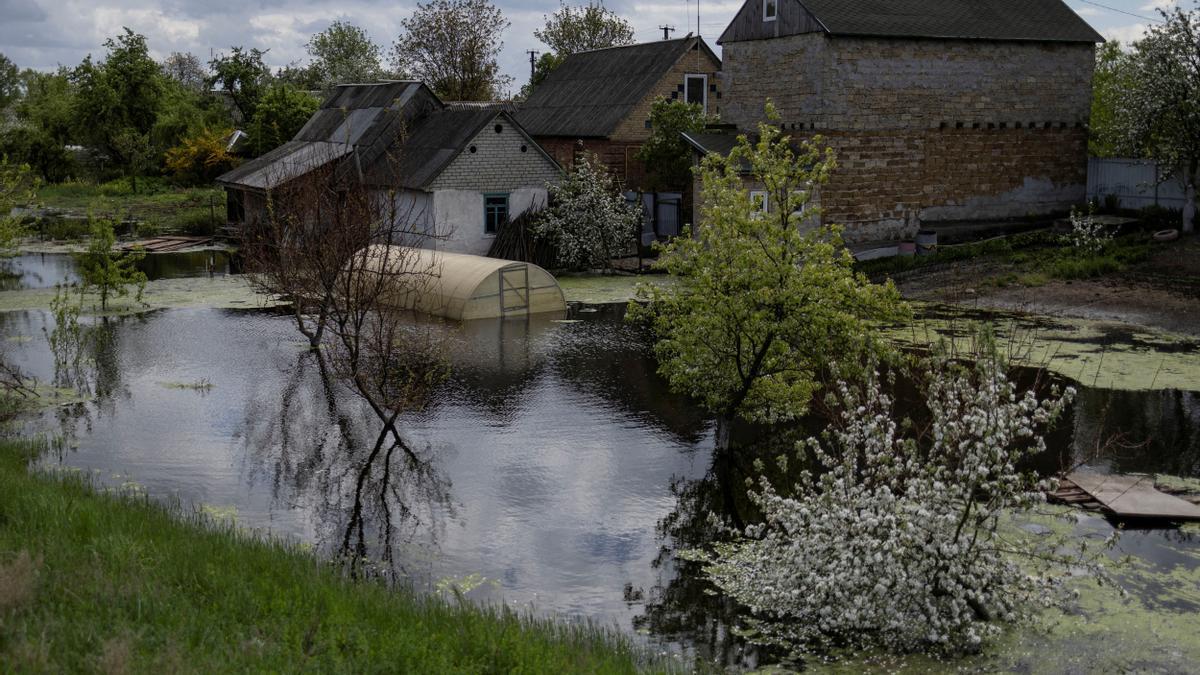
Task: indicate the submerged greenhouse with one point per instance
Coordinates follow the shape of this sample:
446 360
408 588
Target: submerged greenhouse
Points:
462 287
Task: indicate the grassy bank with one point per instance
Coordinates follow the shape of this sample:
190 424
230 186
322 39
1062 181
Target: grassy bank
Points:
157 206
1029 259
118 584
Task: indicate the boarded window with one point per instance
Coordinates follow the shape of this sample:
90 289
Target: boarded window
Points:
495 212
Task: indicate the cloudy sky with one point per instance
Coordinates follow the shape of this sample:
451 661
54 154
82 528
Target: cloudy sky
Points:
45 33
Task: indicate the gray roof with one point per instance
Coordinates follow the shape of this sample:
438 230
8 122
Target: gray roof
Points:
591 92
1032 20
395 133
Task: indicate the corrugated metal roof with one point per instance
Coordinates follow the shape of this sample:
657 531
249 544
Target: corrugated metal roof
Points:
591 92
1033 20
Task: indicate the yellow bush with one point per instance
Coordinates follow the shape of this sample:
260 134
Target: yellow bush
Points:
201 156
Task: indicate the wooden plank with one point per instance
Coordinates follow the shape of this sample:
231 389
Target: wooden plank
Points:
1134 497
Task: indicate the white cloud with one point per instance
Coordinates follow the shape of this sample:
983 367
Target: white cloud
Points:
1126 34
1159 4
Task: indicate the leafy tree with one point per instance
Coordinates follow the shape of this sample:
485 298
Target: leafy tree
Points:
17 188
118 101
280 113
243 75
106 271
49 103
541 69
10 82
301 77
1160 108
39 151
892 537
343 53
578 29
1108 136
452 45
761 308
588 221
666 155
201 157
186 69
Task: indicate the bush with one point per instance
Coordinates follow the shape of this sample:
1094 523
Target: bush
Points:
588 222
201 157
891 538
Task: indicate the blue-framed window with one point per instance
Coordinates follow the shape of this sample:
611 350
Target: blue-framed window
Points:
495 211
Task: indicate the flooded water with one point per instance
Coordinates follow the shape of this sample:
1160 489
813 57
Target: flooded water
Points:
553 469
47 270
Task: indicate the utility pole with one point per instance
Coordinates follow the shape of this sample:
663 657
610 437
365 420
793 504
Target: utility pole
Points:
532 60
667 30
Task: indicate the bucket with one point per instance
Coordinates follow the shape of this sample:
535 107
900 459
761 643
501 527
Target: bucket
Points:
906 248
926 242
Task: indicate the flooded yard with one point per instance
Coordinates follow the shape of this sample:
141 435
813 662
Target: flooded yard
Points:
553 470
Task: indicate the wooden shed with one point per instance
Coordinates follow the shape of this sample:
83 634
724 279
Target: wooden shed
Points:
463 287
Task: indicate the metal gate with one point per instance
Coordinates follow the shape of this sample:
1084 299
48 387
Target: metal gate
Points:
514 288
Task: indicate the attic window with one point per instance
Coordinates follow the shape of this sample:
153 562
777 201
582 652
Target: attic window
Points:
695 90
770 10
499 128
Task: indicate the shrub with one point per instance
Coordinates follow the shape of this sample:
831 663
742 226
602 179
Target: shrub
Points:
201 157
588 222
891 538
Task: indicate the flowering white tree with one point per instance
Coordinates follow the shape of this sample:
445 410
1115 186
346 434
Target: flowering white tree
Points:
892 541
1088 234
1160 108
588 221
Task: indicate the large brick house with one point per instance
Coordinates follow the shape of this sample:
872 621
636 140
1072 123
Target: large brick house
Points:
940 110
599 101
458 170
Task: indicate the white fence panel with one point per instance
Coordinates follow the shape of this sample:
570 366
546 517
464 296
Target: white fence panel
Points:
1134 181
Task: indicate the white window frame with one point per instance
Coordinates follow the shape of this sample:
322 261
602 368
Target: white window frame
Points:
802 194
770 3
703 89
765 207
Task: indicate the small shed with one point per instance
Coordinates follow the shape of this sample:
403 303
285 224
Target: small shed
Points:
462 287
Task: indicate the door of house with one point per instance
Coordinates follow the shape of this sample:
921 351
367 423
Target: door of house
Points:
514 288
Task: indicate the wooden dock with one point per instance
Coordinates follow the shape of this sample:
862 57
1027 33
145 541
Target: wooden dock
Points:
1134 498
166 244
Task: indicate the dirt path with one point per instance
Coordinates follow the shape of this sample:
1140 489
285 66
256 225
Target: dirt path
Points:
1162 292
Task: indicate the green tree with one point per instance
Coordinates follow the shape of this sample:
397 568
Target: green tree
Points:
452 46
118 100
243 75
280 113
48 104
578 29
542 68
106 271
1108 136
343 53
10 82
762 307
18 187
1160 108
666 155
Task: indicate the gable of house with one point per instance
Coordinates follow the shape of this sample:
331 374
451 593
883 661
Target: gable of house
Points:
496 154
606 93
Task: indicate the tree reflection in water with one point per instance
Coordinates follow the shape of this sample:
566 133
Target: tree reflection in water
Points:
377 501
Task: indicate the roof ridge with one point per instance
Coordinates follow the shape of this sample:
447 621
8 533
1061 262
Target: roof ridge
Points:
689 36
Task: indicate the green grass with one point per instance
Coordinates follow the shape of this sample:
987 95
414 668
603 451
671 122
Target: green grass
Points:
92 581
1033 258
158 206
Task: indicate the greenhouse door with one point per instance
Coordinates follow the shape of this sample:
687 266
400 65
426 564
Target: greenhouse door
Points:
514 289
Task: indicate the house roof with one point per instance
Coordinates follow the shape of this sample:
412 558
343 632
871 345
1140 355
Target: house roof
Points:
591 92
1032 20
395 133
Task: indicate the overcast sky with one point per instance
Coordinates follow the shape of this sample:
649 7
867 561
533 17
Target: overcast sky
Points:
45 33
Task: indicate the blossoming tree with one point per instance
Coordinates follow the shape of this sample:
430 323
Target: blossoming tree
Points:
901 540
588 221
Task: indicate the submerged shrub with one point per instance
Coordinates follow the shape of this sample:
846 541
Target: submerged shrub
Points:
893 539
588 222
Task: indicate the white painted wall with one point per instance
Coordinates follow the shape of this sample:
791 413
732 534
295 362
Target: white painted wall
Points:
458 215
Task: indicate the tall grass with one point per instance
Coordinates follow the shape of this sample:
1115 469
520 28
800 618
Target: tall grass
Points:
90 581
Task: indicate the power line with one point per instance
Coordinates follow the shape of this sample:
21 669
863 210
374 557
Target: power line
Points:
1121 11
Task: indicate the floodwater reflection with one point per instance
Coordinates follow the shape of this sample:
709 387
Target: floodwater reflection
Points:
553 462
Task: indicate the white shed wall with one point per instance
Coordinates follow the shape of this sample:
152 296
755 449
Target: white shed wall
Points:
458 215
